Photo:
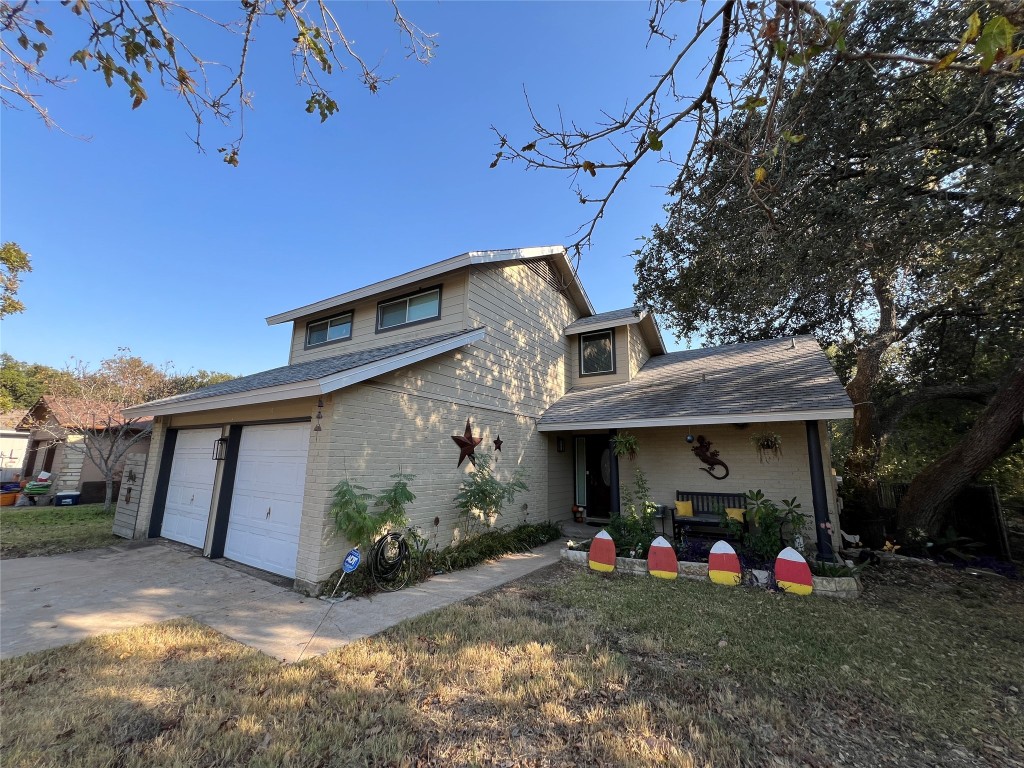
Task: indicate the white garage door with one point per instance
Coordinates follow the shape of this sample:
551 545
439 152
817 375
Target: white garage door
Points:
266 506
190 489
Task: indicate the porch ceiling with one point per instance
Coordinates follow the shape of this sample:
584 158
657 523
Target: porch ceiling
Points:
762 381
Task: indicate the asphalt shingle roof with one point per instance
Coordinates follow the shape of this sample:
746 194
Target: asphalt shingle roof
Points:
778 375
309 371
602 319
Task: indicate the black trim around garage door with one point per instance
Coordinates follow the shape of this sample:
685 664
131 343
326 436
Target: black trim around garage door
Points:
163 479
227 488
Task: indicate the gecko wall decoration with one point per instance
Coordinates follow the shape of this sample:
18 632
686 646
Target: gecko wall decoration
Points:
702 450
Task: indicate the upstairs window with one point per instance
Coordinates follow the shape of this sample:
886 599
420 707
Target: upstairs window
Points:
332 329
597 352
415 308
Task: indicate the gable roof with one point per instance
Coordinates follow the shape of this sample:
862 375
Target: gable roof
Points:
759 381
315 377
556 253
618 317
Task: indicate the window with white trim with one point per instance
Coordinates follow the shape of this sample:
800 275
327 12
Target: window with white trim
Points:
415 308
597 352
332 329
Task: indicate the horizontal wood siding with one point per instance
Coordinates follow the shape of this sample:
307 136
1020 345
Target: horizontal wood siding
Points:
638 351
364 321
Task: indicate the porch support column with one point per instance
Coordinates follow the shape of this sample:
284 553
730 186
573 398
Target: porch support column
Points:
613 473
819 497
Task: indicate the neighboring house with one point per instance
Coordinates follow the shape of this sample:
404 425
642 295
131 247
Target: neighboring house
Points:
380 378
56 443
13 445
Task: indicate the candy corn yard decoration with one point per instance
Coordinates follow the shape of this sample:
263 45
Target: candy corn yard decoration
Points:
792 573
602 553
661 560
724 565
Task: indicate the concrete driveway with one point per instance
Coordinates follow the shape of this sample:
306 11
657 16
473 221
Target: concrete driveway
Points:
51 601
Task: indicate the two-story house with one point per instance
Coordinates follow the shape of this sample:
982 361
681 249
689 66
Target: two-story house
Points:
379 379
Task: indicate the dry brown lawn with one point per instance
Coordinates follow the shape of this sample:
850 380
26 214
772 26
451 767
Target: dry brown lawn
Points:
563 668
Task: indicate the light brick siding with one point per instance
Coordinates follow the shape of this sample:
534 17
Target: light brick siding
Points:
130 496
670 465
364 321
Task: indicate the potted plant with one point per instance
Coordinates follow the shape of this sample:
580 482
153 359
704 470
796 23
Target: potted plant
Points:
768 445
625 444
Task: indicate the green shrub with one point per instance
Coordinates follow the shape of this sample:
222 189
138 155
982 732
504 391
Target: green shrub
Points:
770 527
491 544
482 496
353 517
632 529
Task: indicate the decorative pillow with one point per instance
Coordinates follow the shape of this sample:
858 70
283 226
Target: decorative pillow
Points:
684 509
735 513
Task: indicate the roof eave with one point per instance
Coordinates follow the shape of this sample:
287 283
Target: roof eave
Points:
311 387
819 414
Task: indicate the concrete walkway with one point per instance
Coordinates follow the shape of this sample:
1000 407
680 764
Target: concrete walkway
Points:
51 601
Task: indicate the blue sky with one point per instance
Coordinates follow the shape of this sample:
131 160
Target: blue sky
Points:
139 241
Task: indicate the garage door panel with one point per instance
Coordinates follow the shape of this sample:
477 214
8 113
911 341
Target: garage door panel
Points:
266 503
190 487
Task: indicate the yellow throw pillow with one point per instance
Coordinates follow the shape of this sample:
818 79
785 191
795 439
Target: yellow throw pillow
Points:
735 513
684 509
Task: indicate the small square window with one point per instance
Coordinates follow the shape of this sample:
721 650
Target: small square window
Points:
597 353
332 329
417 308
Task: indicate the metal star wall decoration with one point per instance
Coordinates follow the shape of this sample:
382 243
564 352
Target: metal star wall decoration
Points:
467 444
498 442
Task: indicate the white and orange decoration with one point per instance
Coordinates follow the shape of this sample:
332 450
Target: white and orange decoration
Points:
724 565
602 553
792 573
661 560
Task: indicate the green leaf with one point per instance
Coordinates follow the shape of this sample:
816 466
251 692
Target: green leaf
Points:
781 48
996 38
840 44
973 28
753 102
793 138
654 141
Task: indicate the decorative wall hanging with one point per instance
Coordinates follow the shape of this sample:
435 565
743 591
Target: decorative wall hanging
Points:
702 450
792 573
319 415
467 445
724 565
498 442
602 553
661 560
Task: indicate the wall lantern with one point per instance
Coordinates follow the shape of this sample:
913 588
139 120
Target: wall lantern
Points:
560 444
220 449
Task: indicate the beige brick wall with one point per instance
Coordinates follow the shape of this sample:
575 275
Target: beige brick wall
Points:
376 431
670 465
364 321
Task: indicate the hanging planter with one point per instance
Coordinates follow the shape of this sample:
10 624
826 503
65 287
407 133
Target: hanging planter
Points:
768 445
625 444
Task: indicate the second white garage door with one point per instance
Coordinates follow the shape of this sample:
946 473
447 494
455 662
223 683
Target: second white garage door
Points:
266 505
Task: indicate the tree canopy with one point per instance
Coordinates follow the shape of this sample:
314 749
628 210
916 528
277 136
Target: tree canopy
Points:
138 46
13 262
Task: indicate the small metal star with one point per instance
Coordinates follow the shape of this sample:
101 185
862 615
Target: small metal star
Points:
498 442
467 444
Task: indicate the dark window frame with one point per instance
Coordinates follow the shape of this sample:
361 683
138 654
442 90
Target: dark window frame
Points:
406 297
352 317
611 335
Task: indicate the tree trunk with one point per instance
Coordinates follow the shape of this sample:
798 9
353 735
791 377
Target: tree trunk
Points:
999 426
108 497
860 465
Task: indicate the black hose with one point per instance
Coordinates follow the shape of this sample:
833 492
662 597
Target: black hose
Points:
390 563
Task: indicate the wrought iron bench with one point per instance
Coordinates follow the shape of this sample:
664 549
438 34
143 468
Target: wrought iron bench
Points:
707 513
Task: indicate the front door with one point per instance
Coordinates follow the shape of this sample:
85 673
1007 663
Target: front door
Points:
593 475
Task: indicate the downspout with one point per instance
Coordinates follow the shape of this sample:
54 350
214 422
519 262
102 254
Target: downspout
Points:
819 497
613 473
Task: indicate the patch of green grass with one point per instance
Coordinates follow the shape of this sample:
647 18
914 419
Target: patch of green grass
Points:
30 531
565 667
